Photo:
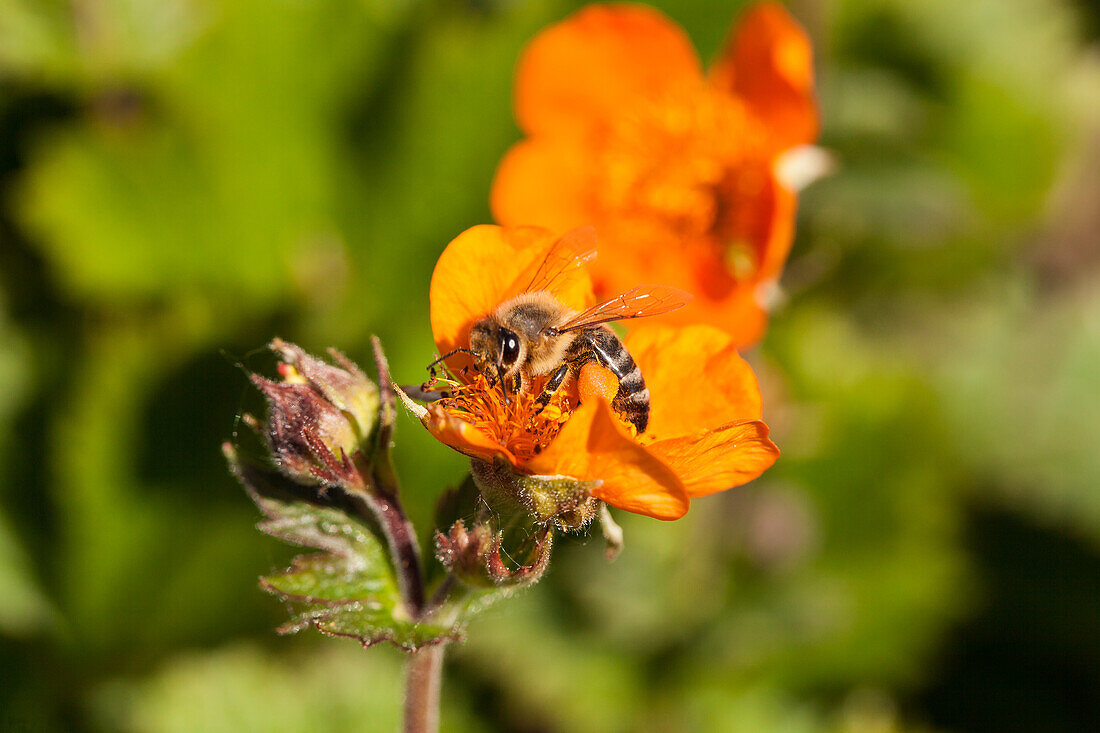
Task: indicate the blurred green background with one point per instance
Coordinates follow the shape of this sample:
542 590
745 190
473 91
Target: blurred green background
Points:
181 180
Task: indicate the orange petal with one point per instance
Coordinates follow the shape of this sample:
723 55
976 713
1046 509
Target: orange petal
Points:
542 181
737 311
716 460
696 379
738 307
768 63
462 436
595 446
779 234
483 267
603 58
764 224
739 314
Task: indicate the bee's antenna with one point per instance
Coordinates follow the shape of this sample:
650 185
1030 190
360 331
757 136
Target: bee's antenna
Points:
449 354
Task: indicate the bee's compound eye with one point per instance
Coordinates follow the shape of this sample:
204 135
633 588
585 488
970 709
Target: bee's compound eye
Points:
509 348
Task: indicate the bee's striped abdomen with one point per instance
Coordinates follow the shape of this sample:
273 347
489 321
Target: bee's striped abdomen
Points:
632 399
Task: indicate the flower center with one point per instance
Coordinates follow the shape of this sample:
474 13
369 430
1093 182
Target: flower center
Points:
516 423
693 167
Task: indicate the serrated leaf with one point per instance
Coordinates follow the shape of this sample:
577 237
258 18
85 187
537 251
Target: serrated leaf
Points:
349 589
354 596
369 623
329 579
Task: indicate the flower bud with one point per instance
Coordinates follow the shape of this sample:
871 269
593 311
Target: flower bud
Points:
345 386
474 556
319 417
465 553
525 574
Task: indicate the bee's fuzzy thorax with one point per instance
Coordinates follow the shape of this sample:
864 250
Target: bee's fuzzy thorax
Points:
532 316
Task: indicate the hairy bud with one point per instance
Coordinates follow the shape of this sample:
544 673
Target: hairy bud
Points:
320 417
525 574
464 552
345 386
473 556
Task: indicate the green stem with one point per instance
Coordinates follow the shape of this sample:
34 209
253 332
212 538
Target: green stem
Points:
423 677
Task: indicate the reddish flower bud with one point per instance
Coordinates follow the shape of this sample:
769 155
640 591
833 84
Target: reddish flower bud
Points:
464 553
319 417
345 386
525 574
474 556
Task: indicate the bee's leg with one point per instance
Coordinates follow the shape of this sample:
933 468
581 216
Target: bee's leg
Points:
426 387
551 387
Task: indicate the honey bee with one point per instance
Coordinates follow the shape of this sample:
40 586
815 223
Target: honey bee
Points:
533 334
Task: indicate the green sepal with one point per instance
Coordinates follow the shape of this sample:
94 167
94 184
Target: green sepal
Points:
348 589
562 501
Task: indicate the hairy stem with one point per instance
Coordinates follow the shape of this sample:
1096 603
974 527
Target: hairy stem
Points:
423 674
424 668
401 538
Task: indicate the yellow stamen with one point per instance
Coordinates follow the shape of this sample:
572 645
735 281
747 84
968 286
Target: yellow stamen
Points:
516 423
741 260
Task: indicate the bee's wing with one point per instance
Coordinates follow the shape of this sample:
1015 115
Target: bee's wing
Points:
566 257
639 302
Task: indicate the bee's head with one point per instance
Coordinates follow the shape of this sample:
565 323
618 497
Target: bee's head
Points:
498 351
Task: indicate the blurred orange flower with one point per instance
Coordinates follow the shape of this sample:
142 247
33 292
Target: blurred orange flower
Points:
677 171
705 434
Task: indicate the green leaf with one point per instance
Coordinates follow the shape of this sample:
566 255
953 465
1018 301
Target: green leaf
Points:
206 158
328 578
349 589
24 609
369 623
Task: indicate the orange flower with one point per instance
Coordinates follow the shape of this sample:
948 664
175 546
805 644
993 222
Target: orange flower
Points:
676 170
705 433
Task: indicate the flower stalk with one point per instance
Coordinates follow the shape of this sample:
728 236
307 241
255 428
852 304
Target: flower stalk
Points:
423 680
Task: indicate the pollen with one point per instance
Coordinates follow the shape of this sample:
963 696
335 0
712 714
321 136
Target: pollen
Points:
513 421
